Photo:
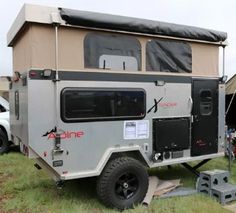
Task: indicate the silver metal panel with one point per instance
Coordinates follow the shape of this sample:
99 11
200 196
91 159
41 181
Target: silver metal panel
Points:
175 102
82 154
41 118
19 127
88 145
221 119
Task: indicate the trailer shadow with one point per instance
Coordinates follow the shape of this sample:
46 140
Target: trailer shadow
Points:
80 189
175 172
14 148
84 190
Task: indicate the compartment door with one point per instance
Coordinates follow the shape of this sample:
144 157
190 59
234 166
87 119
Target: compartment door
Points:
205 117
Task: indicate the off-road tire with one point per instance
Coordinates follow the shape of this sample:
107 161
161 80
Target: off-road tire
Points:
110 188
4 143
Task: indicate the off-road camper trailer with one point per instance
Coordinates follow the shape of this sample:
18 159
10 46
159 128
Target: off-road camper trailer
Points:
103 95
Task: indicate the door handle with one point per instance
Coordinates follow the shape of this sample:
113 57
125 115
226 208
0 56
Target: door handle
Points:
190 103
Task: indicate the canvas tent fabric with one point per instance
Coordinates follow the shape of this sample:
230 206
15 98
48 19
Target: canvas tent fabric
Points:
129 24
71 50
231 86
168 56
96 45
34 28
231 102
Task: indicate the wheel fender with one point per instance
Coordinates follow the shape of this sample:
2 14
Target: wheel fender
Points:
122 150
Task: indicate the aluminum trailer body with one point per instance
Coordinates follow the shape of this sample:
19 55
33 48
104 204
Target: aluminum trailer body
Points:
174 114
82 112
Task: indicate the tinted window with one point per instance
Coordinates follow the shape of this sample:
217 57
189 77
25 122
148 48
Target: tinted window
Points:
168 56
206 96
97 104
206 104
111 51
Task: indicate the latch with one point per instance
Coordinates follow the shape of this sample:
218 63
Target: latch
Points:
57 150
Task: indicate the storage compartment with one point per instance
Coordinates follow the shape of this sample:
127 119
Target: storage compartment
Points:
171 134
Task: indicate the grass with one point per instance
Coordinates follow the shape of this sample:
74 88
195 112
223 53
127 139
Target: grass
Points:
26 189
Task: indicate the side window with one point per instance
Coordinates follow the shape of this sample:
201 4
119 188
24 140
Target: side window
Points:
168 56
112 52
102 104
206 102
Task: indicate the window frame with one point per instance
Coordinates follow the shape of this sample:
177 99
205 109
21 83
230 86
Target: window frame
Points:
204 102
93 119
120 37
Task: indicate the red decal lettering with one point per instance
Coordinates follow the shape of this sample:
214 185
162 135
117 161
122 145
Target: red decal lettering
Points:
73 134
51 136
168 104
63 135
79 134
67 135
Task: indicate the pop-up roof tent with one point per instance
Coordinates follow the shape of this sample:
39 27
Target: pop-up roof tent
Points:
33 39
230 91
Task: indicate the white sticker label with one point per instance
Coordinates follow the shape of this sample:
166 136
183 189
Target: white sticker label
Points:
136 129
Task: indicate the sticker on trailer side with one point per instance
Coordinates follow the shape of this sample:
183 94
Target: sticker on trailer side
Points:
136 129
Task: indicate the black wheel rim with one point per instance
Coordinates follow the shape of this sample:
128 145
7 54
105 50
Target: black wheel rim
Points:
126 186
